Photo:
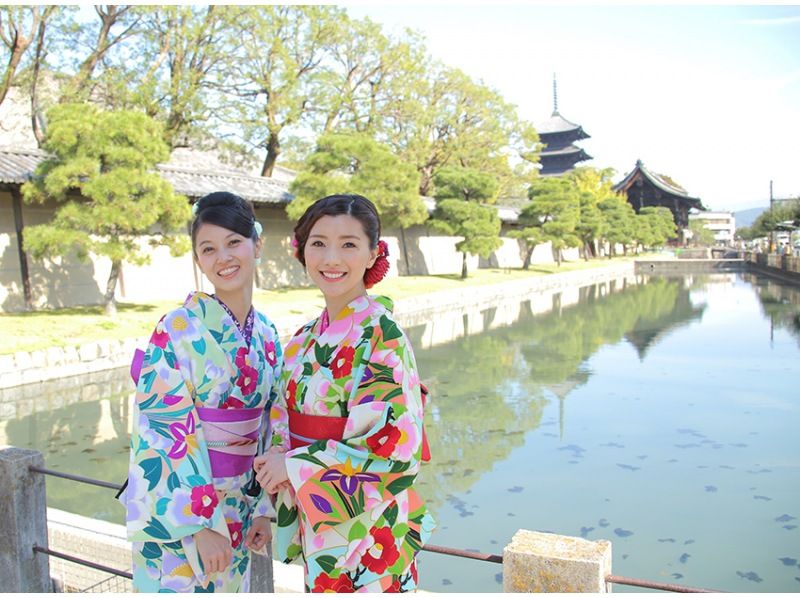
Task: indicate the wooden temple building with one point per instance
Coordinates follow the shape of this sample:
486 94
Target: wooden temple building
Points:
558 135
645 188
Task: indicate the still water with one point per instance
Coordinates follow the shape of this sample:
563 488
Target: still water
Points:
661 414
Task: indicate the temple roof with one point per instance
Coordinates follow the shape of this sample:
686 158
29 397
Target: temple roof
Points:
18 165
566 151
558 124
660 181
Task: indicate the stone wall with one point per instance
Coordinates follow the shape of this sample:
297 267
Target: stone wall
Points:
68 281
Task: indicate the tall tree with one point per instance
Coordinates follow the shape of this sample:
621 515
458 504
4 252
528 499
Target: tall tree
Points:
355 163
555 211
101 174
184 50
365 77
460 211
447 119
92 47
620 221
655 226
466 184
478 224
19 26
276 70
593 186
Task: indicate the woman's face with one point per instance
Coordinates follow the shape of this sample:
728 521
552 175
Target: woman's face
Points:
225 257
337 254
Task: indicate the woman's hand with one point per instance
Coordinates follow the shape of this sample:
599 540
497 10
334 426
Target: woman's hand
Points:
214 550
271 469
259 534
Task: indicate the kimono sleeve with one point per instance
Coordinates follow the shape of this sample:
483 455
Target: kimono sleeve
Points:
379 458
170 491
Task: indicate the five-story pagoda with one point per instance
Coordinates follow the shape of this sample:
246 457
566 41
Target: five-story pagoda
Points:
558 135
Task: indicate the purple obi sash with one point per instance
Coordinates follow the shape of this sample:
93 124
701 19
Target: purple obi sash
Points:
232 438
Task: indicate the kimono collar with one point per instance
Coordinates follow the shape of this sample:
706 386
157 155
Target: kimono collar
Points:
359 304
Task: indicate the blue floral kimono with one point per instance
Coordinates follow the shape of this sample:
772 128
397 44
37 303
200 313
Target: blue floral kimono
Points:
196 359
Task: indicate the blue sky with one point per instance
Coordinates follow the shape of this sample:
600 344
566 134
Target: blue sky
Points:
709 95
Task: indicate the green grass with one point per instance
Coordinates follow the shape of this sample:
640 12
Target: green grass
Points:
75 325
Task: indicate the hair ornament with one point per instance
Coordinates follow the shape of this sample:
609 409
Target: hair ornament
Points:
195 208
379 269
258 227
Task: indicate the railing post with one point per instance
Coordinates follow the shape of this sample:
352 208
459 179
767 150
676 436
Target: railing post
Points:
23 522
261 573
539 562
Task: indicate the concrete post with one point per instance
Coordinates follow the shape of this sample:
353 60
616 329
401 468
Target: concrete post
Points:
539 562
261 574
23 522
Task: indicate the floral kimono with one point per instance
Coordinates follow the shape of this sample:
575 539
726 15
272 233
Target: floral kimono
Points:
197 363
351 510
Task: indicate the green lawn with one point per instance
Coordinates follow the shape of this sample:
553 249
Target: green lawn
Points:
76 325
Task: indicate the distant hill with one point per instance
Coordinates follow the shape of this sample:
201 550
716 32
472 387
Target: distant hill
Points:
747 217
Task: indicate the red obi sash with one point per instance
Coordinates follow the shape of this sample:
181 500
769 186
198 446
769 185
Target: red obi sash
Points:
305 428
232 438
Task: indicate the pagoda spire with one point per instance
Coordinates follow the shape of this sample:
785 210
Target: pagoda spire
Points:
555 95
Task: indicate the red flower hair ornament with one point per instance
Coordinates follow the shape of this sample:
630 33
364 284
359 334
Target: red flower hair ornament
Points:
379 269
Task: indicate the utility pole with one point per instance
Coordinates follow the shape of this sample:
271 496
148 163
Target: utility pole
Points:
772 232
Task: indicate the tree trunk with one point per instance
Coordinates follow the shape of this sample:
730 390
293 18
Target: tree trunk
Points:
111 287
426 177
528 255
586 251
273 151
37 123
463 264
558 257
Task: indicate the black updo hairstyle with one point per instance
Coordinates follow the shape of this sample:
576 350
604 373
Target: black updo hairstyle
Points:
357 206
226 210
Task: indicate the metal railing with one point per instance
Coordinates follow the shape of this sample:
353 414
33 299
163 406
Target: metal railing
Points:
445 550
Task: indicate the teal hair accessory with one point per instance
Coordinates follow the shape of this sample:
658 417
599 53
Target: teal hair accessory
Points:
195 209
258 227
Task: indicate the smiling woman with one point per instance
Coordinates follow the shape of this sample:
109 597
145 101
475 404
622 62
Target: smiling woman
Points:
347 435
205 383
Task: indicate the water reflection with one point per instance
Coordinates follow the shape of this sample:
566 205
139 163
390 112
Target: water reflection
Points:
490 390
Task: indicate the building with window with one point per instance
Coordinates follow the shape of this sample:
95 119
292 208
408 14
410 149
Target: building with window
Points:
722 224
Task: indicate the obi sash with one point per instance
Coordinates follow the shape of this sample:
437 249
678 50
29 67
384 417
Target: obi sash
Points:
305 428
232 438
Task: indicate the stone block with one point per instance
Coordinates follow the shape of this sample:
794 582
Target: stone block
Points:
23 360
540 562
55 356
39 359
7 363
88 352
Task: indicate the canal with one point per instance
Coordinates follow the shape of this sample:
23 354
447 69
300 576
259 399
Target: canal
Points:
661 414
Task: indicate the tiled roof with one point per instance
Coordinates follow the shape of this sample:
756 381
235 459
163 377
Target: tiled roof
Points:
197 183
17 166
559 124
662 182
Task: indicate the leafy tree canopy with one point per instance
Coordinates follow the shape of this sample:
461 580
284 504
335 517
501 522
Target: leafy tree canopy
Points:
355 163
478 224
101 175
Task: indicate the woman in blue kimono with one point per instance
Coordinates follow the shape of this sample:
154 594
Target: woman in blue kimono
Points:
204 391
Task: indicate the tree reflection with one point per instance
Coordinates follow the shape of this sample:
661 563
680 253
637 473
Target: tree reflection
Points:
780 302
489 390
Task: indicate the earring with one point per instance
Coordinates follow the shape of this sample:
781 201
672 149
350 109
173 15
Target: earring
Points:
258 261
